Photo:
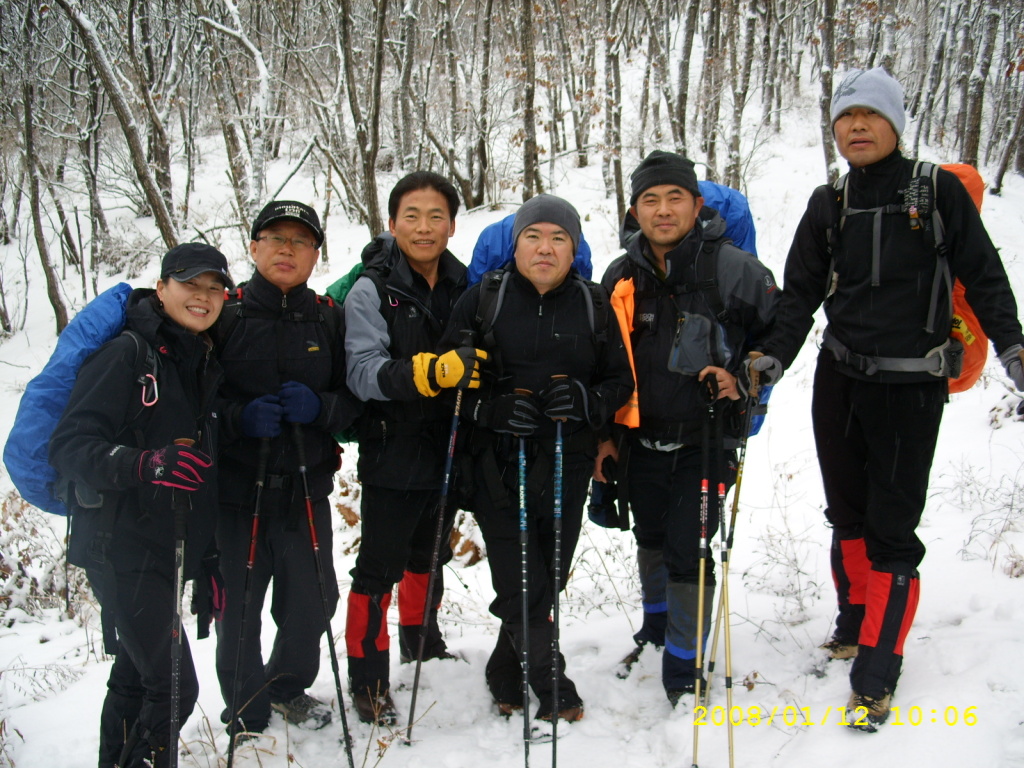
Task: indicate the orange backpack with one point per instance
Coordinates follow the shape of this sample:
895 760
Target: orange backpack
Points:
966 327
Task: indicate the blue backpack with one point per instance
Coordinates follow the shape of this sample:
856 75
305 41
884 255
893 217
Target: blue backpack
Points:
494 249
732 206
26 454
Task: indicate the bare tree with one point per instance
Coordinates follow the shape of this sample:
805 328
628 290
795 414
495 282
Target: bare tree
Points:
532 183
365 107
60 311
97 54
826 27
972 133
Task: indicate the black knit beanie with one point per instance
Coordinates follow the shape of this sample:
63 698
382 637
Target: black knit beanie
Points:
551 210
663 168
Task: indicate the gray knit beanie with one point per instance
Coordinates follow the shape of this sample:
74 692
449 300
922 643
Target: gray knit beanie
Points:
874 89
663 168
549 209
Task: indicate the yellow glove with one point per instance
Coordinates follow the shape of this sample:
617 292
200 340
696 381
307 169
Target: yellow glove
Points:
456 368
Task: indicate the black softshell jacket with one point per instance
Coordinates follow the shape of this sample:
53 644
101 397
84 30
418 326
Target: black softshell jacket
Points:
888 319
539 336
96 443
281 337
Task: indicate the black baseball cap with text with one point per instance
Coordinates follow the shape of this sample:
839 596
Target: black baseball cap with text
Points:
288 210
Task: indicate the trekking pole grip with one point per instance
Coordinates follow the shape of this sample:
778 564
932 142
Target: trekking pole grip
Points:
181 502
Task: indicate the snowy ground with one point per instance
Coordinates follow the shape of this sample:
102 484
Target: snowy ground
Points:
962 656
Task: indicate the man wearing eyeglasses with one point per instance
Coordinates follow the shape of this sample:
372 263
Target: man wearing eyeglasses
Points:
284 361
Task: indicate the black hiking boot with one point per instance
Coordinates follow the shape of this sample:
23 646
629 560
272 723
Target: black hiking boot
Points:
625 666
304 711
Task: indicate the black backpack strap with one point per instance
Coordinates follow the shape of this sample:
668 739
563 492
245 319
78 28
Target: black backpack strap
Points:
492 295
924 183
145 373
230 314
707 277
378 275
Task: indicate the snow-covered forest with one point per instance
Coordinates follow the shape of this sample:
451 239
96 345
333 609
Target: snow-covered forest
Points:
129 126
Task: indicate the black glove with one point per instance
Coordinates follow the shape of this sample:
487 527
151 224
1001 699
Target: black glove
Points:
566 398
262 417
514 414
209 596
176 466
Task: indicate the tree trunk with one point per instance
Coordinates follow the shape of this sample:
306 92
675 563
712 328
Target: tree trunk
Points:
1013 145
98 56
683 69
532 183
972 135
367 125
612 155
934 76
410 22
483 120
60 312
158 144
825 100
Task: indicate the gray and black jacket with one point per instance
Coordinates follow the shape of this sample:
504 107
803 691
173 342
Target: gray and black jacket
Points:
392 314
673 405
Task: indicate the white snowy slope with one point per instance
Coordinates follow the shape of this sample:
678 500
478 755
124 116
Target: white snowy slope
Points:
960 699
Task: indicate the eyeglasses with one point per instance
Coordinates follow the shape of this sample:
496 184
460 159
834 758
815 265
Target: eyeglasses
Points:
299 243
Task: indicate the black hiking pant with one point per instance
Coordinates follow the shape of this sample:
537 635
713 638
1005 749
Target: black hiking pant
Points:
875 446
499 523
398 529
284 554
665 496
139 686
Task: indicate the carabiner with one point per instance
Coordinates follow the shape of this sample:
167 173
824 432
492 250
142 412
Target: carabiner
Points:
151 385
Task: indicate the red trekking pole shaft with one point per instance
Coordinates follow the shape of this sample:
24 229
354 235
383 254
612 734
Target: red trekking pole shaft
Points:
321 580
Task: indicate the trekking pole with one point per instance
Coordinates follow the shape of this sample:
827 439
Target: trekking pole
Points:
727 537
712 384
181 505
555 644
321 580
435 555
261 478
723 605
525 581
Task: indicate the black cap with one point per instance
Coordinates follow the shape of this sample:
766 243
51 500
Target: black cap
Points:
185 261
663 168
288 210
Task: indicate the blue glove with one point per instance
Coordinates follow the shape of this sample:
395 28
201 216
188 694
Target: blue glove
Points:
262 417
300 403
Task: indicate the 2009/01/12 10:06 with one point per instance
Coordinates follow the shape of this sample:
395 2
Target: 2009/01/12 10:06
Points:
798 716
